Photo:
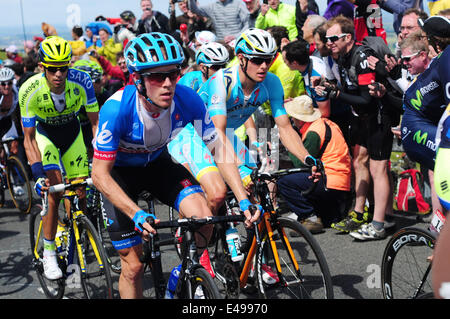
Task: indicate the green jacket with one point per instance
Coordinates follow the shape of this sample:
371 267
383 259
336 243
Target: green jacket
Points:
283 16
109 50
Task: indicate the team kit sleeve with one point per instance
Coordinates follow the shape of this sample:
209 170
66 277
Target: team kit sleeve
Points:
27 102
215 95
365 75
276 95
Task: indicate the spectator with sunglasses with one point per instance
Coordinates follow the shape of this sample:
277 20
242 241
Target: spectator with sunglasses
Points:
118 75
130 152
49 105
425 100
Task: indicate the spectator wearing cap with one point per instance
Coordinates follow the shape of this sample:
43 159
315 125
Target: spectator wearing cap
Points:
92 39
126 29
109 48
12 54
276 13
254 8
230 17
324 140
152 20
192 21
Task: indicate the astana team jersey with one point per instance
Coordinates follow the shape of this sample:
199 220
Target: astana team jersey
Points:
131 136
223 95
192 79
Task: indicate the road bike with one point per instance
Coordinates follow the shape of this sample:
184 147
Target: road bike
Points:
88 273
14 177
279 244
194 281
407 262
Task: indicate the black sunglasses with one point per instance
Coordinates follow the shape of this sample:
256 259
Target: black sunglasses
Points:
334 38
259 61
54 69
217 67
6 83
160 77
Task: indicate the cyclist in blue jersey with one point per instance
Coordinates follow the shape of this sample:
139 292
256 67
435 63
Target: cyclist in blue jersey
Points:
130 151
187 147
425 100
211 57
233 94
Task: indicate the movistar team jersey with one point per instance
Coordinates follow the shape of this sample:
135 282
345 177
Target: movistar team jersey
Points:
192 79
443 135
223 95
429 94
36 102
122 130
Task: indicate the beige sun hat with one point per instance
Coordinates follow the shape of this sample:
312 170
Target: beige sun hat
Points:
302 109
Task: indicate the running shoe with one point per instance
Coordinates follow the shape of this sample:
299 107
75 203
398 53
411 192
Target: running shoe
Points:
368 232
350 223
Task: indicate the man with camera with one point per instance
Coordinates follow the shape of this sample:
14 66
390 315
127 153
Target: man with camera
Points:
126 29
152 20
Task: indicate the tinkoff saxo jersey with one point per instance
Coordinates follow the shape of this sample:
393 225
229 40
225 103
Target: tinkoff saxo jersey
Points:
36 104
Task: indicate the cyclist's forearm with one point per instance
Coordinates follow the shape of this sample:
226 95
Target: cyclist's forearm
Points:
232 178
31 148
292 141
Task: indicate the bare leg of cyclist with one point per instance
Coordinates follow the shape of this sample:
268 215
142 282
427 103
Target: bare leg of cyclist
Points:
215 190
381 188
130 280
362 176
50 220
435 203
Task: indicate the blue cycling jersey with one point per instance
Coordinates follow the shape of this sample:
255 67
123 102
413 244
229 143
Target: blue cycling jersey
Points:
122 131
429 94
223 95
192 79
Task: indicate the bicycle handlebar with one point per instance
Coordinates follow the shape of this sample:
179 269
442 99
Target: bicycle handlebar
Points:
62 187
190 222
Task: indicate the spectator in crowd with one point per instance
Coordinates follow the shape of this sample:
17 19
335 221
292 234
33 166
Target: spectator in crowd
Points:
337 7
398 9
296 56
303 8
409 22
77 44
230 17
152 20
119 74
193 22
368 20
126 29
109 48
311 23
276 13
414 51
254 8
324 140
12 54
92 40
371 136
48 29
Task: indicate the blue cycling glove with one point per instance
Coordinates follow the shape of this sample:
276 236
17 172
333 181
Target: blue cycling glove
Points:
245 204
38 186
140 218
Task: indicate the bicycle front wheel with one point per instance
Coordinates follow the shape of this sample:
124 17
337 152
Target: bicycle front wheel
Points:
202 286
406 265
95 274
303 270
53 289
19 184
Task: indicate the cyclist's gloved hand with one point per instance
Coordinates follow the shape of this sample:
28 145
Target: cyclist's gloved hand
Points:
245 205
140 218
314 162
38 186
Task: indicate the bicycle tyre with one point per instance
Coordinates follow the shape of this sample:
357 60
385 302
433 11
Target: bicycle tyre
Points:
22 202
312 281
53 289
405 266
89 238
201 279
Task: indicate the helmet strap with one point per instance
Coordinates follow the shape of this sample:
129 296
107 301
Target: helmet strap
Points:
244 68
143 91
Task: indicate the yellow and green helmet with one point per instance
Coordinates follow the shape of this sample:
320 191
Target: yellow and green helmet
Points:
55 49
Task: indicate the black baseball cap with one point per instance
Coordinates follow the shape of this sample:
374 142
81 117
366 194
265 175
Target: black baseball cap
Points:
437 26
127 15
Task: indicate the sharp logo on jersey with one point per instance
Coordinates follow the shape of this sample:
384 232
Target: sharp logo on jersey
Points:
185 183
105 136
106 156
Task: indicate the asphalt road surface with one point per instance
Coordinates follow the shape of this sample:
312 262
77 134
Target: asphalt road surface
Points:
354 265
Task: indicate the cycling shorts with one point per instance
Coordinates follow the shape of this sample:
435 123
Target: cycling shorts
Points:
167 181
442 177
63 144
418 139
375 135
188 148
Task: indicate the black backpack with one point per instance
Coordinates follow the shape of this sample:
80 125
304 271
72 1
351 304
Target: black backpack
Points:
375 46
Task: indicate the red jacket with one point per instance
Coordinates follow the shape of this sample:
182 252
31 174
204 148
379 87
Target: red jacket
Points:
115 71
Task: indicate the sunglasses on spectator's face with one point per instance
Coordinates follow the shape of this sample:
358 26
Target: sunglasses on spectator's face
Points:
407 58
259 61
334 38
160 77
54 69
10 83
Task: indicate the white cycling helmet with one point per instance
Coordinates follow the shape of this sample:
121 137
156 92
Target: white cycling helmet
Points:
6 74
256 42
212 53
